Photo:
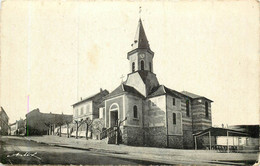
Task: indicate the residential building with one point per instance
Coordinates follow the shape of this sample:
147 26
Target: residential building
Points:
18 127
38 123
87 108
4 122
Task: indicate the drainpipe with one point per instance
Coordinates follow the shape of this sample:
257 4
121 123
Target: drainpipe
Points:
166 118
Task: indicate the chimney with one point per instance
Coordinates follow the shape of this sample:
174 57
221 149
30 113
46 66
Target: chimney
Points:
101 89
80 98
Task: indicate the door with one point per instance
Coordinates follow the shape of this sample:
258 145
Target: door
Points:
113 118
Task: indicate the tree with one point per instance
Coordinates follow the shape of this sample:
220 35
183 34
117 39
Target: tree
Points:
97 126
60 122
78 124
48 124
118 124
88 124
68 125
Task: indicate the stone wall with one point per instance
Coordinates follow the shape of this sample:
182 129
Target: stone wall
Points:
203 141
188 141
175 141
132 135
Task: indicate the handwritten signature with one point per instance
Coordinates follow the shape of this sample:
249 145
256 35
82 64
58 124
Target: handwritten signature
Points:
26 154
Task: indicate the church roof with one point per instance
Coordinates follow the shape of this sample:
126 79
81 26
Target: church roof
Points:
121 89
140 40
143 74
194 96
191 95
161 90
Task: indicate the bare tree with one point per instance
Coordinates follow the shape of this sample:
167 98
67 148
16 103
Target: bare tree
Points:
60 122
78 124
118 124
48 124
88 124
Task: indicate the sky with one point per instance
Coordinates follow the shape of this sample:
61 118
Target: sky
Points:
54 52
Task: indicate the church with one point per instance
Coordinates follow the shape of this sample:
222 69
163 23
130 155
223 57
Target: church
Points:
156 115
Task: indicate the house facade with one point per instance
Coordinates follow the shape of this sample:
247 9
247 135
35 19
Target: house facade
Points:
87 108
4 120
38 123
156 115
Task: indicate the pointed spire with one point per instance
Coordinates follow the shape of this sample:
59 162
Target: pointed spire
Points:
140 40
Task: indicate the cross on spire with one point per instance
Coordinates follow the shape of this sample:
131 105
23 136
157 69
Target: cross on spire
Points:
140 11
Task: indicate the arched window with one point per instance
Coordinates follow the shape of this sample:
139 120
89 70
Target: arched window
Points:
135 112
187 108
150 66
206 109
133 67
142 65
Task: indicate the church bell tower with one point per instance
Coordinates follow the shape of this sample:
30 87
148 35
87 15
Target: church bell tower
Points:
141 56
141 75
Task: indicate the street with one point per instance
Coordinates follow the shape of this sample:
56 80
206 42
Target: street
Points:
18 150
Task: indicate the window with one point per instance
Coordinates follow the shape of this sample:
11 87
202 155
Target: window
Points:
133 67
101 112
150 66
174 118
76 112
135 111
81 111
173 101
142 65
206 109
87 108
187 108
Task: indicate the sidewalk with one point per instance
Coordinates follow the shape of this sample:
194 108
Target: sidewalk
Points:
162 155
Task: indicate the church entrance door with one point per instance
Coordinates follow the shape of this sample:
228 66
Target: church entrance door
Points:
113 118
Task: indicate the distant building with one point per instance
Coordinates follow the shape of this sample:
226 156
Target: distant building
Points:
13 128
240 138
251 142
4 120
87 108
38 123
18 127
